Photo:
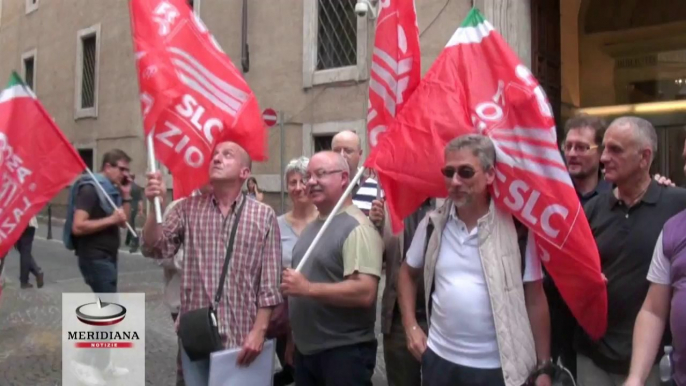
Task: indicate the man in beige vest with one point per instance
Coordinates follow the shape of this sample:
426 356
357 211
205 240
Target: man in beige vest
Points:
488 316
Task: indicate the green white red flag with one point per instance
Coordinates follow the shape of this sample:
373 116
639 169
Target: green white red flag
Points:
192 96
36 160
477 84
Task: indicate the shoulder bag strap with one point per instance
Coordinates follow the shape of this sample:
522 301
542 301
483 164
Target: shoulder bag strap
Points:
229 252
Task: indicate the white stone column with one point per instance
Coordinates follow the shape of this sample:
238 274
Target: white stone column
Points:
512 18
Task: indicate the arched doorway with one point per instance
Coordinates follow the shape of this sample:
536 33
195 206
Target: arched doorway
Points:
628 57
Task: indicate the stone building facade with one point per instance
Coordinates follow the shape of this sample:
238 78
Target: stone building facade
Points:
308 59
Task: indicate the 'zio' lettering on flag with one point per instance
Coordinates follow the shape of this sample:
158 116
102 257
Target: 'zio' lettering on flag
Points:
192 96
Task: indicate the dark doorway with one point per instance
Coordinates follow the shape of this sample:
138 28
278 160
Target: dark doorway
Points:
546 63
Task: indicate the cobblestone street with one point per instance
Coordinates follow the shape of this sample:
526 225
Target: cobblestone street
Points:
30 319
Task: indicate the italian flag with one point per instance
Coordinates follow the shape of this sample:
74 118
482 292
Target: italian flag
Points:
36 160
479 85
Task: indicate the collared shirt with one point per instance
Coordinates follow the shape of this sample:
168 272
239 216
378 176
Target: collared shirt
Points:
603 186
626 238
462 329
198 226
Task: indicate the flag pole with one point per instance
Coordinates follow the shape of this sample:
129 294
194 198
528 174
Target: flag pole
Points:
335 210
109 199
153 169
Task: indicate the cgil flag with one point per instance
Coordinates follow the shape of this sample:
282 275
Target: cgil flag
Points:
477 84
36 160
396 65
192 96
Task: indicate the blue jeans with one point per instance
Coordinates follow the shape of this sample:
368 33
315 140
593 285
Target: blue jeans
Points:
99 271
195 373
341 366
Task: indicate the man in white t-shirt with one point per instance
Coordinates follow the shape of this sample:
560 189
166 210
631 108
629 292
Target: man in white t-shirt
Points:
482 308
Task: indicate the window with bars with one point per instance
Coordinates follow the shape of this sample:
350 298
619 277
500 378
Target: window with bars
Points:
322 142
334 43
336 34
89 47
29 68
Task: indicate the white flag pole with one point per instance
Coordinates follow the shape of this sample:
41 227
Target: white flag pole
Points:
109 199
335 210
153 169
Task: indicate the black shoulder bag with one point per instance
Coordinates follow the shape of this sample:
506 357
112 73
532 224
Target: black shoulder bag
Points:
199 329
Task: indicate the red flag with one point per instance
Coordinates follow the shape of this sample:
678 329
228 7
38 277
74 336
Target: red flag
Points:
396 64
192 96
478 84
36 160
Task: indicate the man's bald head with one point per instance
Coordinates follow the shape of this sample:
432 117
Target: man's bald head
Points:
327 178
349 137
332 158
348 144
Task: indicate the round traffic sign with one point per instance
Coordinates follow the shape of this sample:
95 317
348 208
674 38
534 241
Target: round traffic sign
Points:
269 116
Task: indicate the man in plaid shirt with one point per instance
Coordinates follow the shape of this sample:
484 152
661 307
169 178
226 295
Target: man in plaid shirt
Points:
201 225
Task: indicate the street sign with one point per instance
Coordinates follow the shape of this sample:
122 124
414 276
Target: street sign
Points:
269 116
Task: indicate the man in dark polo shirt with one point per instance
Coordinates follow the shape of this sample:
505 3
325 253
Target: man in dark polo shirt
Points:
581 147
332 303
92 230
626 223
95 226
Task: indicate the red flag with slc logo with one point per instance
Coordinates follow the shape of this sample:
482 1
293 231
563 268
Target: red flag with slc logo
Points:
192 96
36 160
396 64
478 84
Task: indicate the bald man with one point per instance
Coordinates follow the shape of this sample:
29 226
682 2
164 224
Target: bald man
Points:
347 143
332 301
206 222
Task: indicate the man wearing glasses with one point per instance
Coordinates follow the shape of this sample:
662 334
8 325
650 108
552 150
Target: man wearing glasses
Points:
95 225
488 322
92 230
626 224
582 150
332 301
583 138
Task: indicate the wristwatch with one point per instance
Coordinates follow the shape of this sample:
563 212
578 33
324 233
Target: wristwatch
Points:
546 367
124 201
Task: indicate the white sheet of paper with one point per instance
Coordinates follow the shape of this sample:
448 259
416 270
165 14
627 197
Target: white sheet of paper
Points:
225 372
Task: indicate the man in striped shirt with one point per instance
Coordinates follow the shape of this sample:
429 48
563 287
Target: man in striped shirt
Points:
201 225
347 143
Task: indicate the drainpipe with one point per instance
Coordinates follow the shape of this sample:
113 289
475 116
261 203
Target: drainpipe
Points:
245 52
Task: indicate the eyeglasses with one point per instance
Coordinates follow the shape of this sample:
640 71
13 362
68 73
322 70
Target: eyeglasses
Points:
464 172
580 148
122 169
319 174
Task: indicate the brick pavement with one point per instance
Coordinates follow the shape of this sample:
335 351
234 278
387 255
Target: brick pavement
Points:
30 320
